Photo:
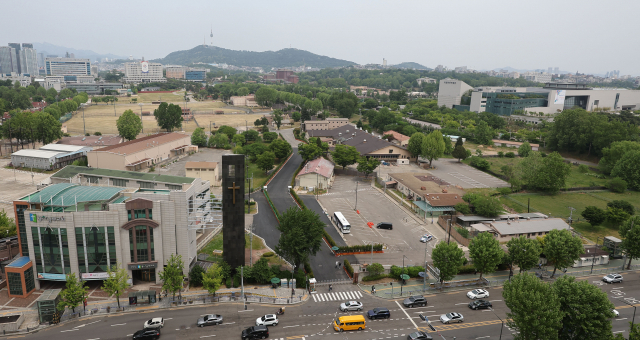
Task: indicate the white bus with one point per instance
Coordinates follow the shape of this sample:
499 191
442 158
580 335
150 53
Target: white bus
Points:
341 222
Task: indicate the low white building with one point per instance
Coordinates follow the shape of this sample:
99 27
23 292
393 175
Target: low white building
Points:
143 72
450 92
316 173
50 156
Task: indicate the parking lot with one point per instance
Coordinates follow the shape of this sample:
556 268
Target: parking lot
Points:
375 207
460 174
203 155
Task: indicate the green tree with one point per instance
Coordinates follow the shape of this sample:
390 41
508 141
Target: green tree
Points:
265 161
281 148
524 150
243 91
483 133
195 276
227 130
198 137
448 258
459 152
7 225
415 144
168 116
375 269
524 252
254 150
265 96
562 249
534 308
277 118
309 151
486 206
345 155
594 215
220 140
616 215
612 154
485 252
432 146
586 309
261 271
617 184
116 284
74 293
296 116
172 275
46 128
129 125
544 173
239 140
367 165
628 168
301 233
622 204
212 278
269 137
250 135
630 232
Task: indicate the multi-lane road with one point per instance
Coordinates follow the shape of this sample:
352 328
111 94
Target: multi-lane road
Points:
313 319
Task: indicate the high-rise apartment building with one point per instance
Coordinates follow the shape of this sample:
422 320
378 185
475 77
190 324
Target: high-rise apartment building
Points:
8 60
29 60
67 66
16 47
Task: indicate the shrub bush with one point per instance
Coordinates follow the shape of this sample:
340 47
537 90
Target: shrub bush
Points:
510 154
374 277
348 267
463 232
268 254
500 154
308 269
195 276
97 133
463 208
467 269
357 248
504 191
414 271
583 168
330 240
236 281
618 185
480 163
229 282
375 269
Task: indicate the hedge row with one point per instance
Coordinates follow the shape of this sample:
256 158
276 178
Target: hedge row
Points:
307 268
295 197
412 271
348 267
467 269
330 240
374 277
358 248
275 211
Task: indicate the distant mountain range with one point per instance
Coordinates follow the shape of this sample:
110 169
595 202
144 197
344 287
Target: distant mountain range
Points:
511 69
411 65
288 57
60 51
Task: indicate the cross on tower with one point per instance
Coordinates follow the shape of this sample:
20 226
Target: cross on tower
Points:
234 188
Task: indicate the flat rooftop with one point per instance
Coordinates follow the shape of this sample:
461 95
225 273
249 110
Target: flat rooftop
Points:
67 194
71 171
19 262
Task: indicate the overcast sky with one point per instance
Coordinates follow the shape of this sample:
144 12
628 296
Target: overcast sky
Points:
592 36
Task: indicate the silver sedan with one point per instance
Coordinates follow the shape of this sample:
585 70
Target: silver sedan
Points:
351 305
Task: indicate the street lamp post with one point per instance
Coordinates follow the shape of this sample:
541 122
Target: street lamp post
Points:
356 206
494 312
403 256
634 311
593 258
84 126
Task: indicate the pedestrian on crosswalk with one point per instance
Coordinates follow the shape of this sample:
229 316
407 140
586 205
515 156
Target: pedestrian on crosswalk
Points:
373 290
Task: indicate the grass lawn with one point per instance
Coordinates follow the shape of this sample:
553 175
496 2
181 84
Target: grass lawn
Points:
254 209
165 97
556 205
632 197
575 179
216 244
593 233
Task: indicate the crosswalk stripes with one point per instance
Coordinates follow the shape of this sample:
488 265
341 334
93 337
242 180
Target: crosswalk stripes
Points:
337 296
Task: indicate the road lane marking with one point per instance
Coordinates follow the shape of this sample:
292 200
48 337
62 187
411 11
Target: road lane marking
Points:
94 339
291 326
70 330
621 319
463 303
407 314
119 324
495 300
482 337
618 332
248 310
206 336
169 319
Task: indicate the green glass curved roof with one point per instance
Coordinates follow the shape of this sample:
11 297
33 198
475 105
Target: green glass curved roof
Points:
67 194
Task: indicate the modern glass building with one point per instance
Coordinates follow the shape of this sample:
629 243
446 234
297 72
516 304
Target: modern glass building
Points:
85 223
196 75
67 66
505 104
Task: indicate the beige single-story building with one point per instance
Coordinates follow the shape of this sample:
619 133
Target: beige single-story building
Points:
328 124
207 171
316 173
506 230
249 101
141 153
397 138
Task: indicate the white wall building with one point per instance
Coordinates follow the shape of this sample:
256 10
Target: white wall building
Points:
67 66
143 72
450 92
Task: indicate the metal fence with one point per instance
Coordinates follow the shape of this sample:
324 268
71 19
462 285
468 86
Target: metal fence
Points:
231 297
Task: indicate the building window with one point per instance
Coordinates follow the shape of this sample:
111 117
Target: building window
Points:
146 185
141 244
36 249
15 283
129 214
150 214
112 246
24 243
174 187
232 170
29 280
55 250
80 250
92 179
119 182
140 213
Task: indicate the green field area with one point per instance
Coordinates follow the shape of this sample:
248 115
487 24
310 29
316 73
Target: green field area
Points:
558 206
576 179
165 97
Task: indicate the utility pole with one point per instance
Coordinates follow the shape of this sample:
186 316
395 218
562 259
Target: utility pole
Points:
356 206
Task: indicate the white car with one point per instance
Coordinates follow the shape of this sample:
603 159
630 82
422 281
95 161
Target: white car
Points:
154 323
612 278
451 318
615 312
267 320
351 305
426 238
478 294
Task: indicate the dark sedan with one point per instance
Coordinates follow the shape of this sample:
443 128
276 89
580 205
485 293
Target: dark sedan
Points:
480 304
147 334
379 313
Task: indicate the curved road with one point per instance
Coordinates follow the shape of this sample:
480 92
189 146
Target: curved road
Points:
265 223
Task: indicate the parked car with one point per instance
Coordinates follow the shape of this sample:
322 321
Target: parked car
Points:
451 317
419 336
379 313
255 332
208 320
612 278
155 323
478 294
416 300
480 304
267 320
385 225
351 305
146 334
426 238
615 312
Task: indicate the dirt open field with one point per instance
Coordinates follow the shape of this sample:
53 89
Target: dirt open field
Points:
101 117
